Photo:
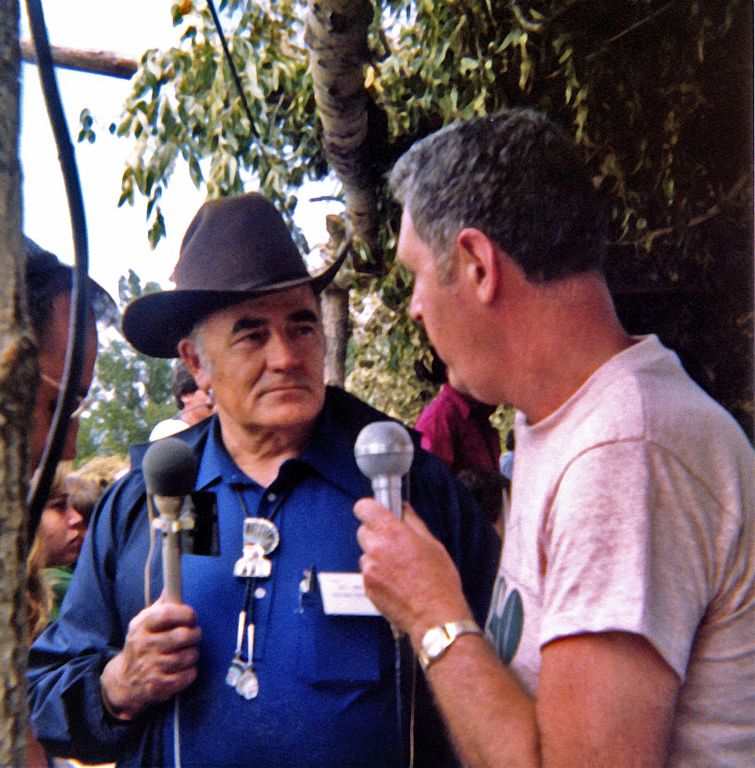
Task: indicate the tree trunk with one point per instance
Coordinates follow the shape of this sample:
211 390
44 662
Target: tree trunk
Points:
16 371
335 318
336 35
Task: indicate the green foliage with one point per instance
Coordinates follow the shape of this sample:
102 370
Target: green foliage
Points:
131 391
184 103
656 93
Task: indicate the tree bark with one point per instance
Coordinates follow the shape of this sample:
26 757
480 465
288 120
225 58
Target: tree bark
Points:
17 363
336 35
335 318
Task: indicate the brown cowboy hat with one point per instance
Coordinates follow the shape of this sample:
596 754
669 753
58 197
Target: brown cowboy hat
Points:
235 248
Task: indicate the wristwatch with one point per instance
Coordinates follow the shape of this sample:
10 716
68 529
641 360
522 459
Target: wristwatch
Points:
438 640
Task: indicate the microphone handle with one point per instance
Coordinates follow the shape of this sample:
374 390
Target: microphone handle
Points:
169 508
387 490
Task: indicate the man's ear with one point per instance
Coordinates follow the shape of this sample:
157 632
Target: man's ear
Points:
478 263
187 349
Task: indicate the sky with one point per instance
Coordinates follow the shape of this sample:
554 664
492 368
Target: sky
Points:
117 236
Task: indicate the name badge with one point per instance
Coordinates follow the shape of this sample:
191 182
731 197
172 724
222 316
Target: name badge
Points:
343 595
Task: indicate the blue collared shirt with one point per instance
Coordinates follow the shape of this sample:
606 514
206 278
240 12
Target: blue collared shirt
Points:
326 683
320 677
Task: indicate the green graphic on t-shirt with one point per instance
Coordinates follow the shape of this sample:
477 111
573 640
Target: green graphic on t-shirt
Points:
506 621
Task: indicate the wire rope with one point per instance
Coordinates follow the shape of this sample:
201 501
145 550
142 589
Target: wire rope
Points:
80 302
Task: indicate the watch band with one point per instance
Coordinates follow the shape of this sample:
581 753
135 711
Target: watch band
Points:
438 640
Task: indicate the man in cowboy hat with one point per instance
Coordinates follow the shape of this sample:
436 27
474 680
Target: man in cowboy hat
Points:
252 669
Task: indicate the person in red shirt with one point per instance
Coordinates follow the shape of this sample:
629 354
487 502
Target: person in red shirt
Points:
457 429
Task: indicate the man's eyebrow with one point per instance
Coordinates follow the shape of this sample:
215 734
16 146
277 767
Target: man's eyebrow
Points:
248 324
304 316
252 323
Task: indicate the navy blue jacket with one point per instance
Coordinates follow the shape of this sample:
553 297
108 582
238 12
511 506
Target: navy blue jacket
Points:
327 687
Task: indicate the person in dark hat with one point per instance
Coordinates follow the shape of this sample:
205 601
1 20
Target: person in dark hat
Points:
48 285
252 669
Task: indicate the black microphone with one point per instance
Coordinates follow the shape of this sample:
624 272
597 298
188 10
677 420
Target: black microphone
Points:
384 452
170 469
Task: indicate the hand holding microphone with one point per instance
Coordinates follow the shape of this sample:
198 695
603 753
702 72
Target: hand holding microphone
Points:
384 452
160 652
408 574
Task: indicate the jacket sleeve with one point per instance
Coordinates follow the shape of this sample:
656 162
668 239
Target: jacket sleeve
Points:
454 517
65 663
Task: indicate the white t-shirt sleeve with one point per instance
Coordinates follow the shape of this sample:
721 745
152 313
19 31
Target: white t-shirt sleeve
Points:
167 428
628 544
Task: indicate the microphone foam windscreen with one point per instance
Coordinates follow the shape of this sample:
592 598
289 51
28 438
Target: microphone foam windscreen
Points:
170 468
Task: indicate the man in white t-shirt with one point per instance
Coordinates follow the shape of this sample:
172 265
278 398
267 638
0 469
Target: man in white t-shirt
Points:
623 611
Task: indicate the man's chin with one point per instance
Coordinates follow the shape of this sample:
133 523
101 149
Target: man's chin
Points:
290 408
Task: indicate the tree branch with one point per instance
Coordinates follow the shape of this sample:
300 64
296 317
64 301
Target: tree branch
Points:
95 62
637 25
650 236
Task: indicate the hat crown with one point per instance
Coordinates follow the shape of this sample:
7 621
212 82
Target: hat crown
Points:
235 248
237 244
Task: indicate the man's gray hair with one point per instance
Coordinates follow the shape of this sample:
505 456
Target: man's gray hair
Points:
197 336
517 178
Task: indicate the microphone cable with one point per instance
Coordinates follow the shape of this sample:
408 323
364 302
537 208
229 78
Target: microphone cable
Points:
80 303
151 516
406 741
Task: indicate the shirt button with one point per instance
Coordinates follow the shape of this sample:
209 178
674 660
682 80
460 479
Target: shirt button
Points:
271 497
260 592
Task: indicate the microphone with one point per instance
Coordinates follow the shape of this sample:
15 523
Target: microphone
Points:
384 452
170 470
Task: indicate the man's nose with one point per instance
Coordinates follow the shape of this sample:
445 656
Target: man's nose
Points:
281 352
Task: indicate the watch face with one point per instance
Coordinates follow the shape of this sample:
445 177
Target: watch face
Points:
437 644
438 639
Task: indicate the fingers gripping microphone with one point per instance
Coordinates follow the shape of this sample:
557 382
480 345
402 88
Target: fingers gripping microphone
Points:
384 452
170 470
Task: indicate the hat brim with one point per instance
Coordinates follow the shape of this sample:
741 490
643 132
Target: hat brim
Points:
154 324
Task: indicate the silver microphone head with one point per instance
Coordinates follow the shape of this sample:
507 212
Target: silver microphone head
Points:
384 448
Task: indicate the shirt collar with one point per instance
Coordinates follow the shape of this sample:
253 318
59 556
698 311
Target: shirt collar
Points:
216 463
329 452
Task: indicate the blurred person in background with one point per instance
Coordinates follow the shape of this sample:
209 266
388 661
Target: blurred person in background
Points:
48 292
194 405
48 286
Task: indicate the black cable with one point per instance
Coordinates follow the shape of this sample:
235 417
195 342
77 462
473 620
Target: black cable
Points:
234 73
80 303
